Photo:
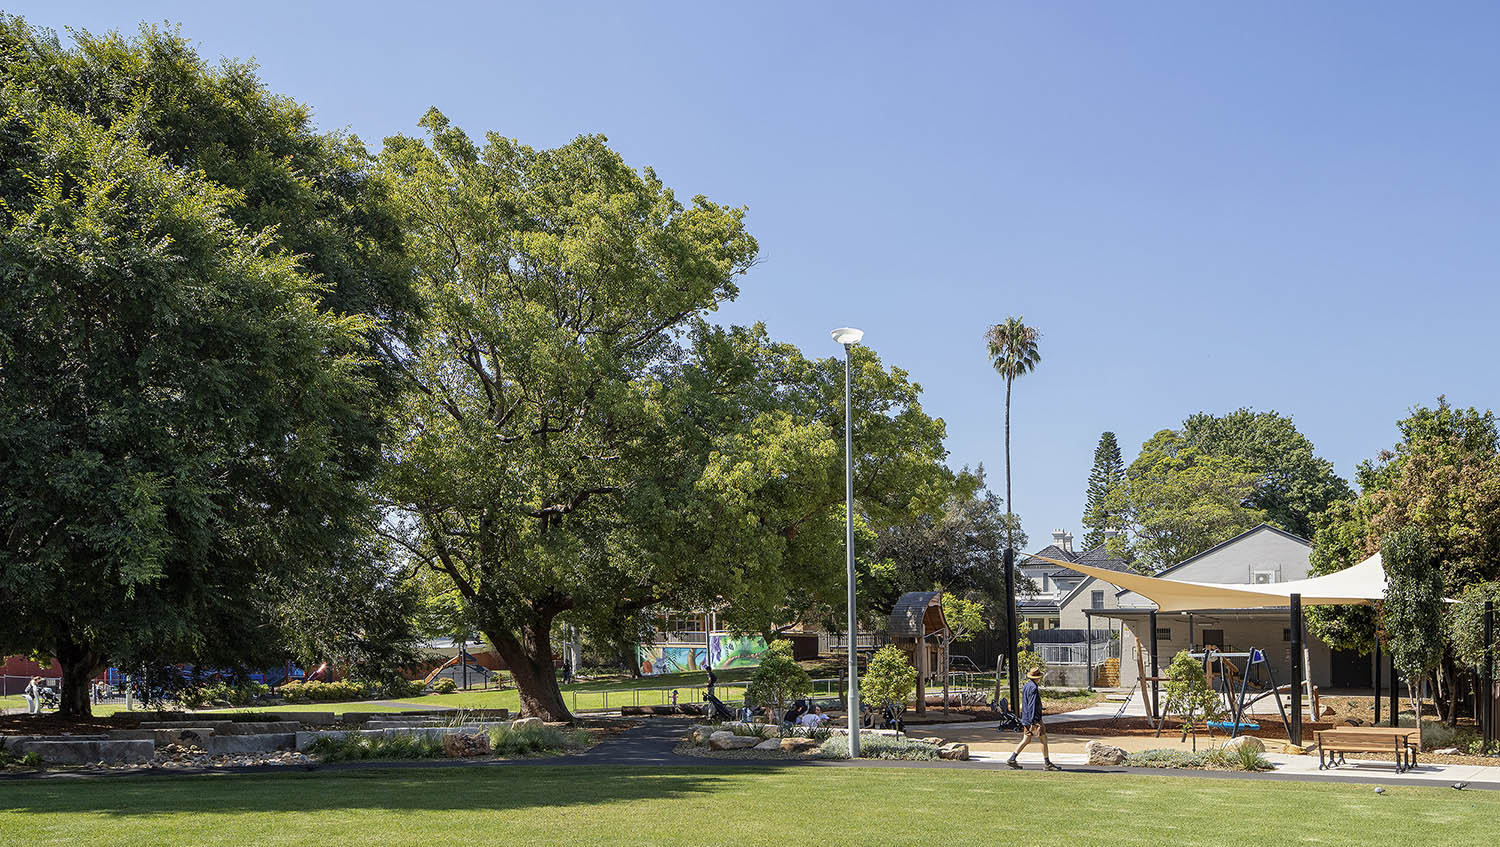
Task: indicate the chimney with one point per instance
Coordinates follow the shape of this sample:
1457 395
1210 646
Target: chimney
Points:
1068 542
1062 540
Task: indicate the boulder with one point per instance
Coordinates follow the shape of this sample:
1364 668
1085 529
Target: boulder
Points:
635 711
1245 742
462 744
1100 753
933 739
72 752
956 751
1297 750
769 744
1447 751
523 723
700 734
797 745
729 741
229 745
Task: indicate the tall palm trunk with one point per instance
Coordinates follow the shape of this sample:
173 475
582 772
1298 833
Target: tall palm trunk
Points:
1009 509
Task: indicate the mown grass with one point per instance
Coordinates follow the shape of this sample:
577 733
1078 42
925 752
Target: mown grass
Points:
552 805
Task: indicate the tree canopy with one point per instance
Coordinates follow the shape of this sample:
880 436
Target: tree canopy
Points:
1292 484
576 439
1178 501
188 401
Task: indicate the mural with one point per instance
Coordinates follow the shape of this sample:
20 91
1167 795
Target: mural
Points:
656 659
736 651
725 650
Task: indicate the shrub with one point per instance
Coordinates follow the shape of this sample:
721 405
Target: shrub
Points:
1187 692
9 759
354 748
398 688
890 678
779 679
1243 759
444 686
880 747
321 692
222 694
536 740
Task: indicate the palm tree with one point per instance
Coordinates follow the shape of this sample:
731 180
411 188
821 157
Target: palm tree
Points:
1013 353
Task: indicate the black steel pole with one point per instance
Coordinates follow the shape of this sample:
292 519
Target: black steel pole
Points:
1155 692
1012 629
1297 670
1088 660
1395 698
1377 682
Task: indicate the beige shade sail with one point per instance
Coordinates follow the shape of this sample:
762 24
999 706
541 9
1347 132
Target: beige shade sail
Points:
1359 585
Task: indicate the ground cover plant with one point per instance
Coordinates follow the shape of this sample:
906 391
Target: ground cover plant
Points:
356 748
536 740
542 805
880 747
1243 759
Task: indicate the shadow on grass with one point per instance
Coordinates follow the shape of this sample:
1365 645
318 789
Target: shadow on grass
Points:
405 789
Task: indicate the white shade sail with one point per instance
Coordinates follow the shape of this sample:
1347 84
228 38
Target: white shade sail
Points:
1359 585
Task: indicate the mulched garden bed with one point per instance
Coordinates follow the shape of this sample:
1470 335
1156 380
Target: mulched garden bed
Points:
1143 726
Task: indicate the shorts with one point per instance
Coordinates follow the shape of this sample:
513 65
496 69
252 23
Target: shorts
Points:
1035 729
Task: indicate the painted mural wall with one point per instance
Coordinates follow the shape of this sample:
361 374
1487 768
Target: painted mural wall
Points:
725 650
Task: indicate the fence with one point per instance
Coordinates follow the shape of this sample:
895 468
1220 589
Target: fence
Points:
1079 653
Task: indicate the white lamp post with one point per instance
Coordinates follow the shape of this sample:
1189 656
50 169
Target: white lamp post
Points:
848 336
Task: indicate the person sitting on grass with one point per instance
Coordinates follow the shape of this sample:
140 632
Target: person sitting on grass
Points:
1031 721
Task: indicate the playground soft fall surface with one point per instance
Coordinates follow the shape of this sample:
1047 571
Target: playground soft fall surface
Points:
760 806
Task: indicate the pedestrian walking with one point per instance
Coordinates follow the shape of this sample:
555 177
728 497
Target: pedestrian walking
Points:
709 669
34 696
1031 721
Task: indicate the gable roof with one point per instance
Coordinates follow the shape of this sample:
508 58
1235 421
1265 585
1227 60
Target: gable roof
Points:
1051 551
1227 543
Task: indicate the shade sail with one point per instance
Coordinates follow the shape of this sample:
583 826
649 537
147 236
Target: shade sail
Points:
1359 585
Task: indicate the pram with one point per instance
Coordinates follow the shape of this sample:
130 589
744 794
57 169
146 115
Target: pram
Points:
1009 722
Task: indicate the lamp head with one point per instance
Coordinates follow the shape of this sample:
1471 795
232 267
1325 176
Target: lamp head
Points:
847 335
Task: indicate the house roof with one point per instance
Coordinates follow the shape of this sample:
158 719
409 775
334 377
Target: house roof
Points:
1051 551
906 615
1222 544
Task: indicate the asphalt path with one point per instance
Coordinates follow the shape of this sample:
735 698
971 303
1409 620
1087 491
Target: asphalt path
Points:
650 743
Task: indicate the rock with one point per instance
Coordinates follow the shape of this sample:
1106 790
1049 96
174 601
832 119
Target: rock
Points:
769 744
1447 751
221 745
1297 750
635 711
1328 711
700 734
933 739
798 745
523 723
729 741
460 745
955 750
1100 753
1351 722
71 752
1245 741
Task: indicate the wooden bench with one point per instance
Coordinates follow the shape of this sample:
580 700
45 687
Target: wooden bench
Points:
1402 742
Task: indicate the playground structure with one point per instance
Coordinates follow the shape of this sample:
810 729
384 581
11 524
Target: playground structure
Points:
463 669
917 626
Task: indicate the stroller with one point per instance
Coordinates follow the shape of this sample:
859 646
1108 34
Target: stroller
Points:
1009 722
890 716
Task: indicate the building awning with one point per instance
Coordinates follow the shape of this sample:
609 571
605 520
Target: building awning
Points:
1360 585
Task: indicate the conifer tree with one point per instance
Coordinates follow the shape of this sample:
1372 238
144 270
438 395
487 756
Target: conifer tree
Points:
1108 473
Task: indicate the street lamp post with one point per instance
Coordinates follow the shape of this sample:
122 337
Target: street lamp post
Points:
849 337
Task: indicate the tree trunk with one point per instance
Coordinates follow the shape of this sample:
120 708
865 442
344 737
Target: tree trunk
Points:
1010 507
529 658
79 664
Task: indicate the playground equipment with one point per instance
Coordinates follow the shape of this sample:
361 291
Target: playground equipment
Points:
918 627
1220 666
464 664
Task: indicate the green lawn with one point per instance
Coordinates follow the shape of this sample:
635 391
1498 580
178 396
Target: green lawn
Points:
833 806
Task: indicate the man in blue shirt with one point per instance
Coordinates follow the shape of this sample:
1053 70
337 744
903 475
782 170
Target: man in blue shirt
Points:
1031 721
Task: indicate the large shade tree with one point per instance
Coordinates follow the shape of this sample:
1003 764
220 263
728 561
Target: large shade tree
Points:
187 403
577 441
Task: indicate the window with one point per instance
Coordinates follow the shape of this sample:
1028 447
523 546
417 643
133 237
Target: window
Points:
1164 633
1286 633
1096 599
1213 638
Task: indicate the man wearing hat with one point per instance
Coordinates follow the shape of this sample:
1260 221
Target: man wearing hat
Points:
1031 721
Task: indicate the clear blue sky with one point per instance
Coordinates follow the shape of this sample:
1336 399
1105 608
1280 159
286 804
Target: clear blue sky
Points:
1201 205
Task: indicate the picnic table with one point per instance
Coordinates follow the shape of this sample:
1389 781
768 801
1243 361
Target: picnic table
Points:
1403 742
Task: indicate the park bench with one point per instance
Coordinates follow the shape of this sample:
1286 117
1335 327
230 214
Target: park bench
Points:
1334 743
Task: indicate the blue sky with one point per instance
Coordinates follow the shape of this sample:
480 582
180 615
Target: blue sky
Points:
1202 206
